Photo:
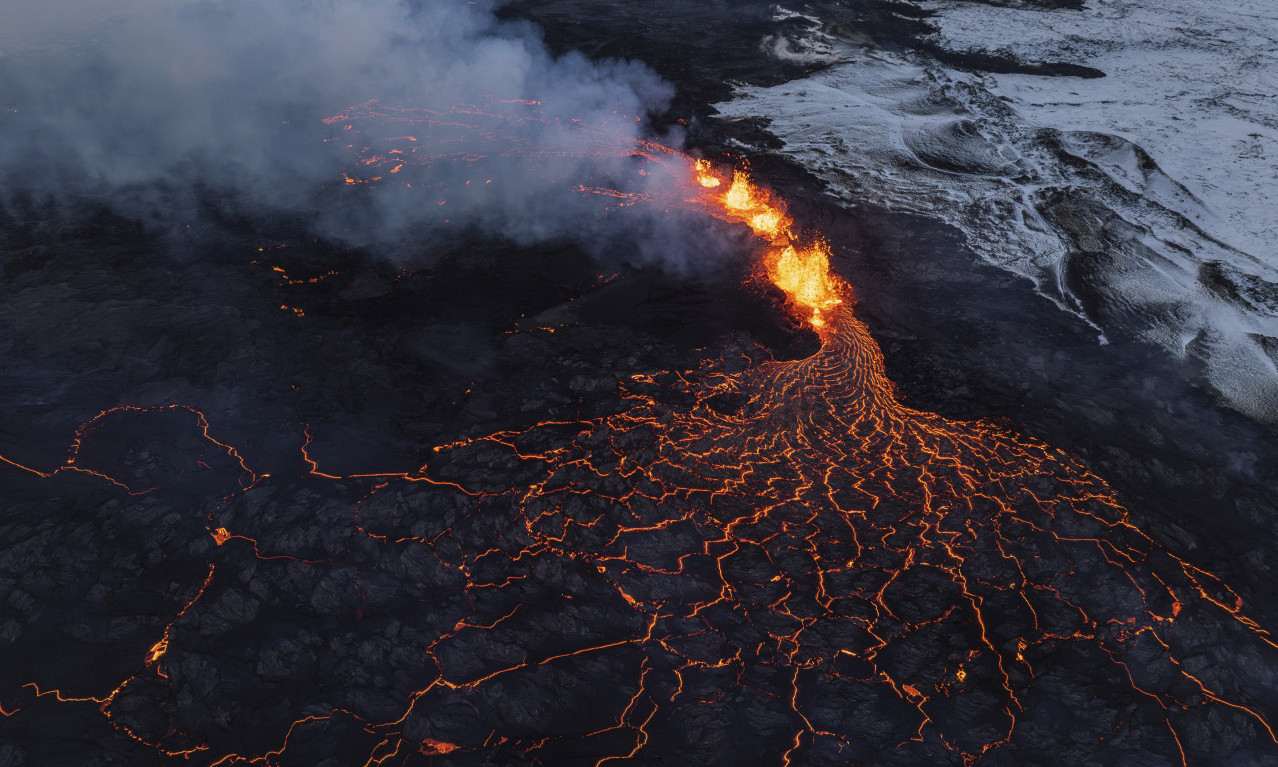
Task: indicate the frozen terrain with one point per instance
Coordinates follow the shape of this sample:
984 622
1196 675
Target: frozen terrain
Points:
1192 82
1140 201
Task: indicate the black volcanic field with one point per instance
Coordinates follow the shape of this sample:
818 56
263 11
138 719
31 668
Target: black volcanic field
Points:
308 620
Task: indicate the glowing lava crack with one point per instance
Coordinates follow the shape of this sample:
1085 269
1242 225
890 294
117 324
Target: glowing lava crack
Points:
754 562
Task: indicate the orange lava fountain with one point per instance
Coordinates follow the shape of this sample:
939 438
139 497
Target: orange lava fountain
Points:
801 271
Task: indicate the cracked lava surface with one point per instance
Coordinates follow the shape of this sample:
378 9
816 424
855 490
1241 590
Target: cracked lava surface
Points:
753 562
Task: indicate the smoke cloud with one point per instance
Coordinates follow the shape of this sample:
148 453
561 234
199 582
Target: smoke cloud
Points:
154 109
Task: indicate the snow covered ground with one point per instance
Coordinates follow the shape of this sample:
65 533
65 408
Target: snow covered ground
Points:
1193 82
1141 201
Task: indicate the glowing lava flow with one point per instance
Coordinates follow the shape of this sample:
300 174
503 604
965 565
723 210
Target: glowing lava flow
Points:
781 546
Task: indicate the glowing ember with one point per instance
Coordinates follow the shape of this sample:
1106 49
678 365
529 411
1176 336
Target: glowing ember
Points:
431 747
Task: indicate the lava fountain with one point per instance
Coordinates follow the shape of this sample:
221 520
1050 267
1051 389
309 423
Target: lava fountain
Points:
802 272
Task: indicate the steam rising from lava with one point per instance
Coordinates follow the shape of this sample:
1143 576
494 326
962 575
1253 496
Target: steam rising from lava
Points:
163 114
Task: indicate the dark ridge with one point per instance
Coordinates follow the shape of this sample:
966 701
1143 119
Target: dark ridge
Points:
1006 64
1046 5
1237 287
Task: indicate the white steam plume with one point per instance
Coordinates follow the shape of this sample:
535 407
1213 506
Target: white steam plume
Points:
150 106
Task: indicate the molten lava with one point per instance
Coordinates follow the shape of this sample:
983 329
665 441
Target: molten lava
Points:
800 270
784 537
